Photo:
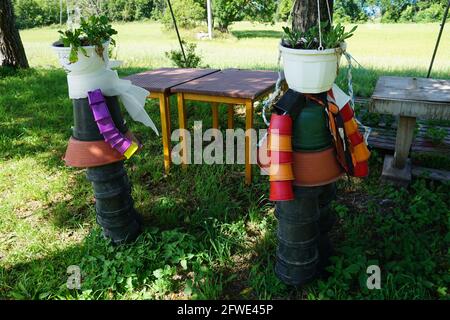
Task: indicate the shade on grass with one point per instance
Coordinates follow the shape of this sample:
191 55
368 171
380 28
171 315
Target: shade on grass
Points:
207 234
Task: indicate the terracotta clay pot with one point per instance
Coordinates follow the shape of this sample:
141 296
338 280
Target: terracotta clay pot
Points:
281 191
282 123
88 154
316 168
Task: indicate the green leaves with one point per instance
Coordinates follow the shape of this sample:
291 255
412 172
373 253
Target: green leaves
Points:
94 31
97 30
193 60
336 36
292 37
437 135
331 38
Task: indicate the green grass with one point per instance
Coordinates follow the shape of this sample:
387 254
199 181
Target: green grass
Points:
207 235
142 44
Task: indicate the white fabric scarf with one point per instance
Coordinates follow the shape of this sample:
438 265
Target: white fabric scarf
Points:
107 80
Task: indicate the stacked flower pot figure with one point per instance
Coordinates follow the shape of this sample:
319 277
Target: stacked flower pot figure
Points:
325 143
101 141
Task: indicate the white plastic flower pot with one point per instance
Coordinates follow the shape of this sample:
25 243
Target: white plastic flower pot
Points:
311 71
85 64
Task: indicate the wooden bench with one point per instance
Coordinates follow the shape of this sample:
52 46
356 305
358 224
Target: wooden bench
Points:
408 98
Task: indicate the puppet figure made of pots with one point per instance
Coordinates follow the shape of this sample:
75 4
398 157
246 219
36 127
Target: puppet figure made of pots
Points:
302 248
312 168
101 141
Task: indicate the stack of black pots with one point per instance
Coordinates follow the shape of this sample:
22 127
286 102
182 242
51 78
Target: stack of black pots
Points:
303 225
112 189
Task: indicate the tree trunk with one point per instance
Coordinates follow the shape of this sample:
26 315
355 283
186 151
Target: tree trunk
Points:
304 14
12 53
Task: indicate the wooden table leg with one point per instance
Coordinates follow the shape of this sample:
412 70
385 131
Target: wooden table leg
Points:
169 126
183 125
165 125
405 135
215 115
231 116
248 141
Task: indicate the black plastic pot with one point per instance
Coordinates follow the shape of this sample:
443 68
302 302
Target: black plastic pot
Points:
303 245
327 216
85 128
114 204
298 234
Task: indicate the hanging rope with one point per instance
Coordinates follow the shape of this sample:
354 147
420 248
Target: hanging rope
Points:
329 14
270 100
350 79
367 130
320 27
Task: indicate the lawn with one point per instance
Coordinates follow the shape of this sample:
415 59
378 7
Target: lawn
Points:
387 46
207 235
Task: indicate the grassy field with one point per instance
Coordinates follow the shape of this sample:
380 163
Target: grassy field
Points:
386 46
207 235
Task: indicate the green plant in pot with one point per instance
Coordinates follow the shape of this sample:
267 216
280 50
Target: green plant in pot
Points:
81 49
311 59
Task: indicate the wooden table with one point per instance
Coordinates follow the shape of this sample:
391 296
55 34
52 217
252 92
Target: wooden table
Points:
409 98
232 87
159 82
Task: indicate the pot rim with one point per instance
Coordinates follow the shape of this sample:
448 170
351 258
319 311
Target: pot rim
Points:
343 46
106 43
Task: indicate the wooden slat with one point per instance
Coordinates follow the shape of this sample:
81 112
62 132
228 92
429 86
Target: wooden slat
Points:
385 139
362 101
231 83
412 97
434 174
412 89
161 80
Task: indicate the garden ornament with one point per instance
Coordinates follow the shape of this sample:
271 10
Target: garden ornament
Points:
100 138
325 142
93 72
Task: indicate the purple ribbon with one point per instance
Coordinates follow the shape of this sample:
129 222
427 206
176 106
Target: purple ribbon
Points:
105 122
